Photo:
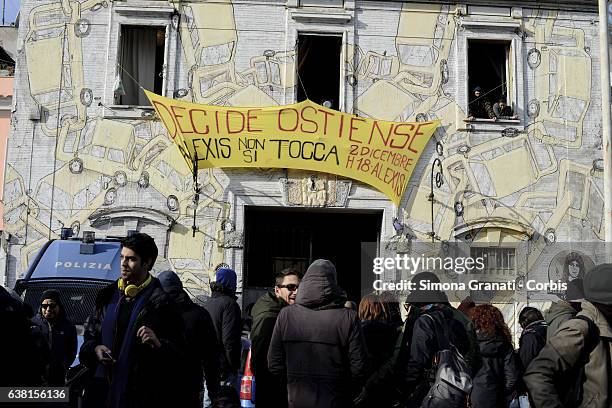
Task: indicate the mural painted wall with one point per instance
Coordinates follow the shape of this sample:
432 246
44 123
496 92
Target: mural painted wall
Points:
76 161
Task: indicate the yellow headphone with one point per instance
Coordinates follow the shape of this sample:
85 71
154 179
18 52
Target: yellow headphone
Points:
132 290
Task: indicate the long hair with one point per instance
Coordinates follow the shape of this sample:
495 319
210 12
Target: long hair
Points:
573 257
371 308
489 320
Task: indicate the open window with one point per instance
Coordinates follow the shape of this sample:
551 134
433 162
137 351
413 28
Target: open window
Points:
141 62
490 69
319 69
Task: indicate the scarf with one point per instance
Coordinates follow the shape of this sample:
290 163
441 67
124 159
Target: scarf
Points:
118 373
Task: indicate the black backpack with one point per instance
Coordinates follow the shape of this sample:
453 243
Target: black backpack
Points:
452 383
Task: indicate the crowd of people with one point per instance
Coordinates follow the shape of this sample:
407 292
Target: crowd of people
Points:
147 344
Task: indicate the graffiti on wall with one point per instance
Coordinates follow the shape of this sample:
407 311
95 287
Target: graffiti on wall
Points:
106 167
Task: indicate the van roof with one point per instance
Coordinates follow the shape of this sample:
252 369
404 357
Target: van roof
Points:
63 259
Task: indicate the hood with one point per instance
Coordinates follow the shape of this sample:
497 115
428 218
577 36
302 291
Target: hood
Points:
319 287
226 277
558 310
268 303
170 281
492 345
589 310
172 285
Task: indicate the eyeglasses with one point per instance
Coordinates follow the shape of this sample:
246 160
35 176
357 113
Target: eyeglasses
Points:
292 287
51 305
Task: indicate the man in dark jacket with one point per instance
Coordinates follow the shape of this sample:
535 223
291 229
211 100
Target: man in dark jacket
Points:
226 318
133 339
61 335
25 351
318 344
271 390
575 367
201 351
533 337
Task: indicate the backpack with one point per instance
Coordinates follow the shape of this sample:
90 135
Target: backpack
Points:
571 393
453 382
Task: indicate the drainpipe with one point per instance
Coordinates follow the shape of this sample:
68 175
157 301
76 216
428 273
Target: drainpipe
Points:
604 67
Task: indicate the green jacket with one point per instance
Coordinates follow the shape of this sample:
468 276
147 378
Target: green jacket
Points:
559 313
264 313
562 354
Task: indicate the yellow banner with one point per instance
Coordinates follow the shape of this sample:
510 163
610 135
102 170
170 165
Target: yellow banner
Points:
303 136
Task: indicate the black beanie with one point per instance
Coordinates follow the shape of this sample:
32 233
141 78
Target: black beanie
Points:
52 294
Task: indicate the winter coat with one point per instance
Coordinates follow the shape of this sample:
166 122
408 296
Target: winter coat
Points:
226 318
559 313
380 338
497 378
271 390
481 108
413 378
25 353
152 380
504 113
552 371
201 357
318 344
531 342
62 339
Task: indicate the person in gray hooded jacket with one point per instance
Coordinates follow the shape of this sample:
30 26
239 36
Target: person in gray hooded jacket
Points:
575 367
563 310
318 344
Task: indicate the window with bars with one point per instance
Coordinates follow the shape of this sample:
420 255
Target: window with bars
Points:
497 261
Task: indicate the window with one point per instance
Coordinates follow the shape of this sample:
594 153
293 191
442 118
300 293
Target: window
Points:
141 62
489 69
497 261
319 69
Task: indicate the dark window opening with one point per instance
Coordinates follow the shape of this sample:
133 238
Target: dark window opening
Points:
277 238
487 69
141 62
319 69
7 65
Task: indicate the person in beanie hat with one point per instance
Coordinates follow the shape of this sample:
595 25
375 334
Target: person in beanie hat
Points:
202 350
61 335
225 281
564 309
554 377
226 318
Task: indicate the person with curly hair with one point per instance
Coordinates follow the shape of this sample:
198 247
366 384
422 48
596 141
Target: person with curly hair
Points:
495 383
573 267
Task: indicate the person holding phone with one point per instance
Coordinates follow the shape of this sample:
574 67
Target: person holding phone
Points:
133 340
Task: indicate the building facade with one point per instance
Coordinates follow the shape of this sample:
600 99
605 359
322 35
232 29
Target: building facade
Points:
87 152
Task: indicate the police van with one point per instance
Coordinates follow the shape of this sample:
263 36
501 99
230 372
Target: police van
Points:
77 267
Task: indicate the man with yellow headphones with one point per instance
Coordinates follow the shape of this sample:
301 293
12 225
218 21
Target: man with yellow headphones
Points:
134 337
